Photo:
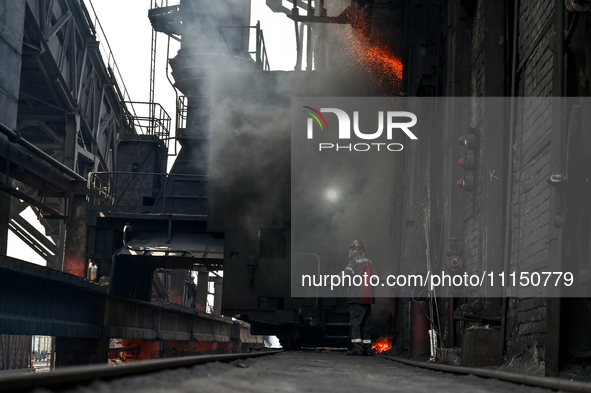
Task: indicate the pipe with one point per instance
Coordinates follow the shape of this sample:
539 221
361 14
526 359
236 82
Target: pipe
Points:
509 192
312 254
15 137
544 382
318 259
128 227
452 322
556 217
559 92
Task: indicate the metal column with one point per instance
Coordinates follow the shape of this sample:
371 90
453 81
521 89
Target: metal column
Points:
76 232
75 259
202 288
217 295
4 220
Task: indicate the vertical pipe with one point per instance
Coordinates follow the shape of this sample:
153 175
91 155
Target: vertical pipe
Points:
298 37
512 125
309 51
452 324
300 34
62 238
298 46
309 48
258 40
555 225
492 155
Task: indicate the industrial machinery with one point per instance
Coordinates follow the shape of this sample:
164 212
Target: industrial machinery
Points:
237 131
512 196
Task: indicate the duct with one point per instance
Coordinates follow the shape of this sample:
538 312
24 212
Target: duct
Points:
183 251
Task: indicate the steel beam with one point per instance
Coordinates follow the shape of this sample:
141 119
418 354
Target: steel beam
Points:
15 137
34 239
30 200
71 144
38 236
4 221
39 301
31 170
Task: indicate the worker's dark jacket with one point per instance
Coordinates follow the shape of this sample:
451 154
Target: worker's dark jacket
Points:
358 266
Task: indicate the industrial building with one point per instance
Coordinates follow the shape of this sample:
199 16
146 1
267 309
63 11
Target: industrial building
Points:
135 250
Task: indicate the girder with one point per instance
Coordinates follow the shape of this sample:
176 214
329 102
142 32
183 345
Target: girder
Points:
40 301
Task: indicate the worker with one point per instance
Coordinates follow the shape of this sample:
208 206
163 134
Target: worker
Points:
360 298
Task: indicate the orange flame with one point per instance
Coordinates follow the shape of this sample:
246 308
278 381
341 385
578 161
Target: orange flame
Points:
377 60
382 345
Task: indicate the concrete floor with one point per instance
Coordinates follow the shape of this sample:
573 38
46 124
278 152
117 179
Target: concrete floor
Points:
304 371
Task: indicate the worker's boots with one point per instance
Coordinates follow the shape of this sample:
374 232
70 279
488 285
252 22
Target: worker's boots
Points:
367 350
356 351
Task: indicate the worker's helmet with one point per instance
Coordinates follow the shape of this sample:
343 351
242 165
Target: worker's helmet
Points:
357 245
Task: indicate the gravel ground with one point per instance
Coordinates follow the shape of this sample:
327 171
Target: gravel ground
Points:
304 371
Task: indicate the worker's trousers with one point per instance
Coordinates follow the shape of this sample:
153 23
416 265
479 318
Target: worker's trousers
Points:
360 315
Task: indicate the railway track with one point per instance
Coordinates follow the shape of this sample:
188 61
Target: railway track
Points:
70 377
324 369
531 380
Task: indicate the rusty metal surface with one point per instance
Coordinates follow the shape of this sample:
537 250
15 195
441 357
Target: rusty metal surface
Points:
77 238
15 352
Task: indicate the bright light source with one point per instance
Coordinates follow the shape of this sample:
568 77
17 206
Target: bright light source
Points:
332 194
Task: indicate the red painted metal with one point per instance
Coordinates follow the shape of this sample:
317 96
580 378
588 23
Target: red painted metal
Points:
418 344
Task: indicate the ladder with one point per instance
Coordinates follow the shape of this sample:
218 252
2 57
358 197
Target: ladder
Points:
152 108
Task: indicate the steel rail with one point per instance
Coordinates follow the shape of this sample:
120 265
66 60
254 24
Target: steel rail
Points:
544 382
69 377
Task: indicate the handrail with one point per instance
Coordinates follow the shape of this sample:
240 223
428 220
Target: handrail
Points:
105 189
151 124
148 173
261 57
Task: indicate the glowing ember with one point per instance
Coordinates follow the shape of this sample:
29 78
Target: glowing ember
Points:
383 344
376 60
